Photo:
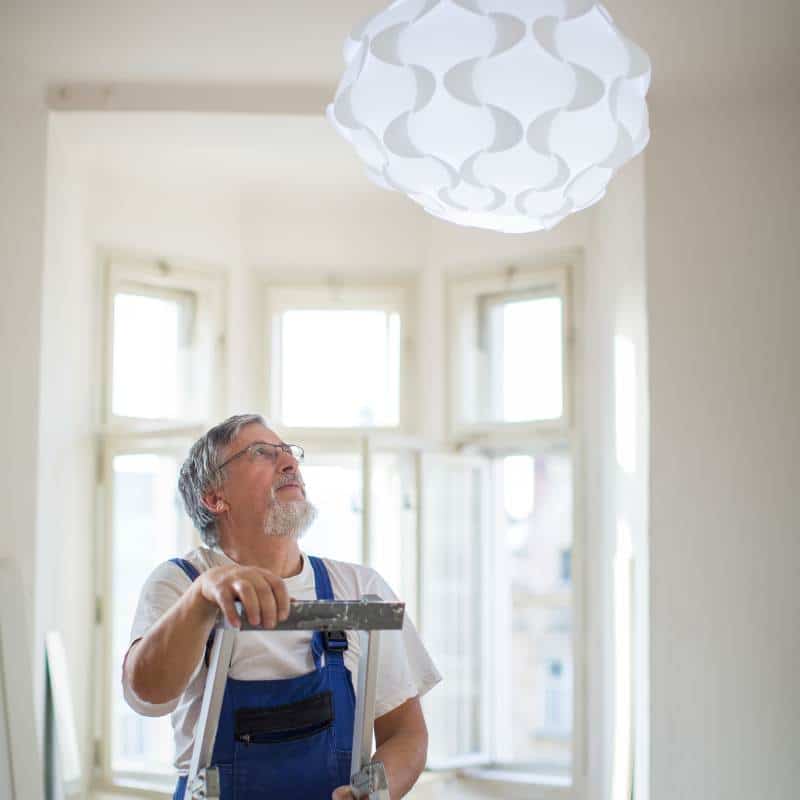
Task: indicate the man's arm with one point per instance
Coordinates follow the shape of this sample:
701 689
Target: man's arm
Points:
402 739
159 666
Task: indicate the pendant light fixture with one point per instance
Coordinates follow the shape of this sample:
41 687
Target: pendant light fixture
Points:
499 114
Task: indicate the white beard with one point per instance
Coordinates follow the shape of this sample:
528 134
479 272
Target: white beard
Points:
292 518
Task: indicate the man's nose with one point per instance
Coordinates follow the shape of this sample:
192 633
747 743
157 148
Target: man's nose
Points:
287 462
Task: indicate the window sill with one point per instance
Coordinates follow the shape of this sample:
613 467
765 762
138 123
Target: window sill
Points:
125 788
501 775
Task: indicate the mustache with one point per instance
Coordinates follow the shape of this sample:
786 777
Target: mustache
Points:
294 477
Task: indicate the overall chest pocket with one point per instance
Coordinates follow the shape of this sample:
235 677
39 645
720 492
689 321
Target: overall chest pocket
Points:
284 723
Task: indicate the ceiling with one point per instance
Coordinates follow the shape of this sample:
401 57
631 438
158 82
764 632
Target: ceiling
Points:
265 49
237 151
697 48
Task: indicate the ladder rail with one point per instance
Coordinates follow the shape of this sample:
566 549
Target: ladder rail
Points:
369 616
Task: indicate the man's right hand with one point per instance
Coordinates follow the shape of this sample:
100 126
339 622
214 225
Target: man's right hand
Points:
263 595
158 666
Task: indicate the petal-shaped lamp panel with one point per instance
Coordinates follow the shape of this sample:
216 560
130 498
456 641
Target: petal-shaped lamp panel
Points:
499 114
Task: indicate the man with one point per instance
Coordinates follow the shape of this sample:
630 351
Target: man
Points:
287 718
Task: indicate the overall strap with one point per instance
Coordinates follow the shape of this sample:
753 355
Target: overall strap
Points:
332 643
321 579
192 574
191 571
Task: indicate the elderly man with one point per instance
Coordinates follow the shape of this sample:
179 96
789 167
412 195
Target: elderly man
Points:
242 487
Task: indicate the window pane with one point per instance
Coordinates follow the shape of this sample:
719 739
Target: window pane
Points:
151 336
393 528
334 486
536 679
340 368
452 604
525 360
148 528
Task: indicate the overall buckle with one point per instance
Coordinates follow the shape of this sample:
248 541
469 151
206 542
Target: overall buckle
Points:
335 640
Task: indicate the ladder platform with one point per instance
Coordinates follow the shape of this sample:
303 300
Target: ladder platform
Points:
332 615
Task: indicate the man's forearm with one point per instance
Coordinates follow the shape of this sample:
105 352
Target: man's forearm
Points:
159 666
403 756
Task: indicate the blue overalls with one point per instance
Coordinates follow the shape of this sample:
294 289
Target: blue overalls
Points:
289 738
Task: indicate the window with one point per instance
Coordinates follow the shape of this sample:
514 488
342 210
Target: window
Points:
320 341
335 484
511 386
393 518
151 351
509 337
537 684
164 340
455 618
164 329
147 527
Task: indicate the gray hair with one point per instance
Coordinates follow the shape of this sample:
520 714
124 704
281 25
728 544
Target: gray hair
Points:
200 472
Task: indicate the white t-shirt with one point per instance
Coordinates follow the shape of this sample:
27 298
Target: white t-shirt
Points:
405 669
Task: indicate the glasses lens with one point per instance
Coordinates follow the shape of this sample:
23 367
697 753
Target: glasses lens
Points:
296 451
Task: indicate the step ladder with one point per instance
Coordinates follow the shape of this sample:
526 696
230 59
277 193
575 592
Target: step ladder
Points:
369 616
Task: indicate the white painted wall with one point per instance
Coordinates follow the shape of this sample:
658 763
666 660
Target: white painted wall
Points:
22 178
64 541
616 487
723 192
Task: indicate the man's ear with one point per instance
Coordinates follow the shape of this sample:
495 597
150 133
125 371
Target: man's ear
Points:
214 502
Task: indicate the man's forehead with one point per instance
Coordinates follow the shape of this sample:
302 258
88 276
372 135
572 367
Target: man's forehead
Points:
255 432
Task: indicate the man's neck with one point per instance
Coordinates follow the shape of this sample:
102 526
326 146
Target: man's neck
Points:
279 554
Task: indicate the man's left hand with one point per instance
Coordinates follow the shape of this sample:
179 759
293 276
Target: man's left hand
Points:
343 793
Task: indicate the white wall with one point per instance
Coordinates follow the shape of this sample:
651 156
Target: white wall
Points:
64 542
22 178
289 232
723 192
617 459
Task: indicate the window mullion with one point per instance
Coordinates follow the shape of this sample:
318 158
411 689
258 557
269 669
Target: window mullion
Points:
366 502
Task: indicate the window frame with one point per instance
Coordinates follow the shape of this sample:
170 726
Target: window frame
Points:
485 557
160 278
162 443
464 294
116 434
494 440
331 295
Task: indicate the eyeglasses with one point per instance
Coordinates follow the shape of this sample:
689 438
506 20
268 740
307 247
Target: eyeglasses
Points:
267 451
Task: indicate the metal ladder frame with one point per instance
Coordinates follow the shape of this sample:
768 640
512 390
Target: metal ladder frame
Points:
369 616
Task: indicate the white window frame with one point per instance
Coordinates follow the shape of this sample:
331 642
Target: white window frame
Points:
123 435
498 439
159 278
426 458
463 296
319 296
163 443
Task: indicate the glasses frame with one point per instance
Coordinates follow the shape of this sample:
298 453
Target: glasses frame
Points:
294 450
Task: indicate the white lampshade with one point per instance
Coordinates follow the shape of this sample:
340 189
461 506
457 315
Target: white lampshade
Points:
500 114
